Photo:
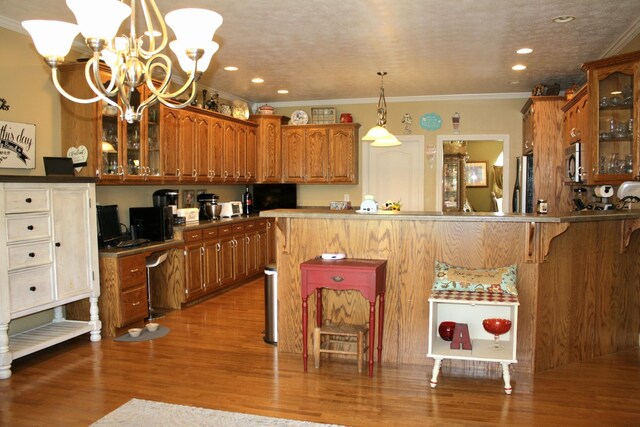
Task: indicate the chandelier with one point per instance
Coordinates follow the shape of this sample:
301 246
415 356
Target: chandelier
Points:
379 134
133 59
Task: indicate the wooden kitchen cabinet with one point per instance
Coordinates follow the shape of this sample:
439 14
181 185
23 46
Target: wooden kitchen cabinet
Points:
542 120
48 259
269 137
320 154
613 115
202 253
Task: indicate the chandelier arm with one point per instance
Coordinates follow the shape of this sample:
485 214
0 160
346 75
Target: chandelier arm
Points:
95 83
56 83
169 104
149 21
166 67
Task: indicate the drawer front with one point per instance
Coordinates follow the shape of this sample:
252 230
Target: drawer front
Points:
250 226
210 233
26 200
133 270
261 224
225 230
133 305
28 227
31 288
29 255
341 279
192 235
237 228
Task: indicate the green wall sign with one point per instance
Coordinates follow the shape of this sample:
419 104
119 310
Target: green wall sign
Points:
430 121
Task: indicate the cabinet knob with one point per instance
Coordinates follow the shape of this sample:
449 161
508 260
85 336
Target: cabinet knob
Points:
32 288
32 254
30 227
28 200
337 278
58 244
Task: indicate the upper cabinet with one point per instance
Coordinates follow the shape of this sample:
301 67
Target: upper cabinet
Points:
320 154
612 143
269 164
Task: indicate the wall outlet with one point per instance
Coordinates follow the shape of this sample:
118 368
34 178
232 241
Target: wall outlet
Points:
345 197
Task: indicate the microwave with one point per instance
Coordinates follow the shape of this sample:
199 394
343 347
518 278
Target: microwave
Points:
573 163
154 223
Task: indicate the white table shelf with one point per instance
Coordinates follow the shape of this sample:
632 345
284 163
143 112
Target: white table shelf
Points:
471 308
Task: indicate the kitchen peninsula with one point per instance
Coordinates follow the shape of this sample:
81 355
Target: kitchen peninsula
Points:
577 276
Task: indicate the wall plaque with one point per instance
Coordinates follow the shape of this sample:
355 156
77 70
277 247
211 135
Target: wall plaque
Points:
17 145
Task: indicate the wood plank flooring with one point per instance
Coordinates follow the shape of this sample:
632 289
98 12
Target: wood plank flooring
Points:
214 357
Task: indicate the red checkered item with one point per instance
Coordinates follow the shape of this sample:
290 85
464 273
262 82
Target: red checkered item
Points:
482 297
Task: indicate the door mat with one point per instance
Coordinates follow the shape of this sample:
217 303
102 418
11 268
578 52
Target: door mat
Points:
145 335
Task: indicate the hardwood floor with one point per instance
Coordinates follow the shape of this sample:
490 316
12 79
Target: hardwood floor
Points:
214 357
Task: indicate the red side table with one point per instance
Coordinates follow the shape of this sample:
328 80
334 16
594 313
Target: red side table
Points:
369 276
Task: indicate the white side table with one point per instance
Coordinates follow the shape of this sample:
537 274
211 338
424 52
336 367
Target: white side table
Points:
472 308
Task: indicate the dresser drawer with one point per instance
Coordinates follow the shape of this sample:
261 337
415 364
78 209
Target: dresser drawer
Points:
26 200
340 278
29 255
30 288
133 305
28 227
133 270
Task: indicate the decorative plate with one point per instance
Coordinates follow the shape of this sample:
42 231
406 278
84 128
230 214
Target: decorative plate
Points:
240 110
299 117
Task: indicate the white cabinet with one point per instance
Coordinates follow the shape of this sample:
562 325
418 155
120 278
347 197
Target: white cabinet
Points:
48 258
471 308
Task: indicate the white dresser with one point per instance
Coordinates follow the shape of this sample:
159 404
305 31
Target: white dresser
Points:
48 258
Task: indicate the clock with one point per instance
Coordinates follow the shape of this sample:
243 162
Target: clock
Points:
299 117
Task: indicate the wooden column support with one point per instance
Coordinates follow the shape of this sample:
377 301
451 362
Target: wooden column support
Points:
538 239
628 227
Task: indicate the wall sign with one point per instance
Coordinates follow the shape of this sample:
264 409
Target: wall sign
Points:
17 145
79 155
430 121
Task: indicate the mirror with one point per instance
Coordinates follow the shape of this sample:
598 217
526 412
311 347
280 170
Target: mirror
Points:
484 176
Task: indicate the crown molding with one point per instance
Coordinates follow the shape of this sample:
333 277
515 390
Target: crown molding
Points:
396 99
623 40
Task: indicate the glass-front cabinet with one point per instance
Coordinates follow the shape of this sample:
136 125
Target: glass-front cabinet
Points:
613 143
453 181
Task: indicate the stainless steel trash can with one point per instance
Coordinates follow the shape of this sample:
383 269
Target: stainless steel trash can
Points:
271 304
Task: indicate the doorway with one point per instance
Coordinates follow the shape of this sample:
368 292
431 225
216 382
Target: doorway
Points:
396 173
469 139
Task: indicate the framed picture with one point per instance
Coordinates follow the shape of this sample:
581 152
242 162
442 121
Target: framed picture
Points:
321 116
188 198
476 174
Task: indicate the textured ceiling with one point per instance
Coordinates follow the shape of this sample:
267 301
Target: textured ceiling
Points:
332 49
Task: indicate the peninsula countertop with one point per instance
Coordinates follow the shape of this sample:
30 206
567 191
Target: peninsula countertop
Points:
565 217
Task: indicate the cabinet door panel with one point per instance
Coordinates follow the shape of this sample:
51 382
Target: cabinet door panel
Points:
226 268
211 252
71 241
169 142
216 149
317 155
293 153
202 129
241 153
186 146
193 261
229 167
342 156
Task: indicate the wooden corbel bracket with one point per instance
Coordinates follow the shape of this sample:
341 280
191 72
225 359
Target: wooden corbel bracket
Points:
628 227
538 239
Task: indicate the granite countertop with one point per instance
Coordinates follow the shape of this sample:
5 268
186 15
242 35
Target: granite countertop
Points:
581 216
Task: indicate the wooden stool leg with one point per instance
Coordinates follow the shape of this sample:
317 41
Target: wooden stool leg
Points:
316 347
360 350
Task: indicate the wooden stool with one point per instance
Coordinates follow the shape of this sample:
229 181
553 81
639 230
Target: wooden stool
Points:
340 341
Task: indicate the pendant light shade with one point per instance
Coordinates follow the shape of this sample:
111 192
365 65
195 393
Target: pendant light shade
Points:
379 135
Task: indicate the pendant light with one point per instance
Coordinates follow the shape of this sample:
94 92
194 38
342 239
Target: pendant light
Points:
379 135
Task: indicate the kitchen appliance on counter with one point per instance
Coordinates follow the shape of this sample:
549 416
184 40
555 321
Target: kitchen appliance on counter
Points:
209 207
153 223
604 192
187 215
230 209
573 165
162 198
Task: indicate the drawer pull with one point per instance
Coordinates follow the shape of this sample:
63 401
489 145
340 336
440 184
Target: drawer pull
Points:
136 303
28 200
32 254
32 288
133 270
58 244
30 227
337 278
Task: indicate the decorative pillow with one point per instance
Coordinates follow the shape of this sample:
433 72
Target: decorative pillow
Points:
496 280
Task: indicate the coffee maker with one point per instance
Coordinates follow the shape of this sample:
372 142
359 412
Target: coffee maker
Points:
167 198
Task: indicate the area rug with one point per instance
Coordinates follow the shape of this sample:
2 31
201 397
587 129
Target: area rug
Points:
145 335
146 413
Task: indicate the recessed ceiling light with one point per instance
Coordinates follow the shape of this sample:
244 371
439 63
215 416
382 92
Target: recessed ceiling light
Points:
231 68
563 19
257 80
283 91
519 67
524 50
